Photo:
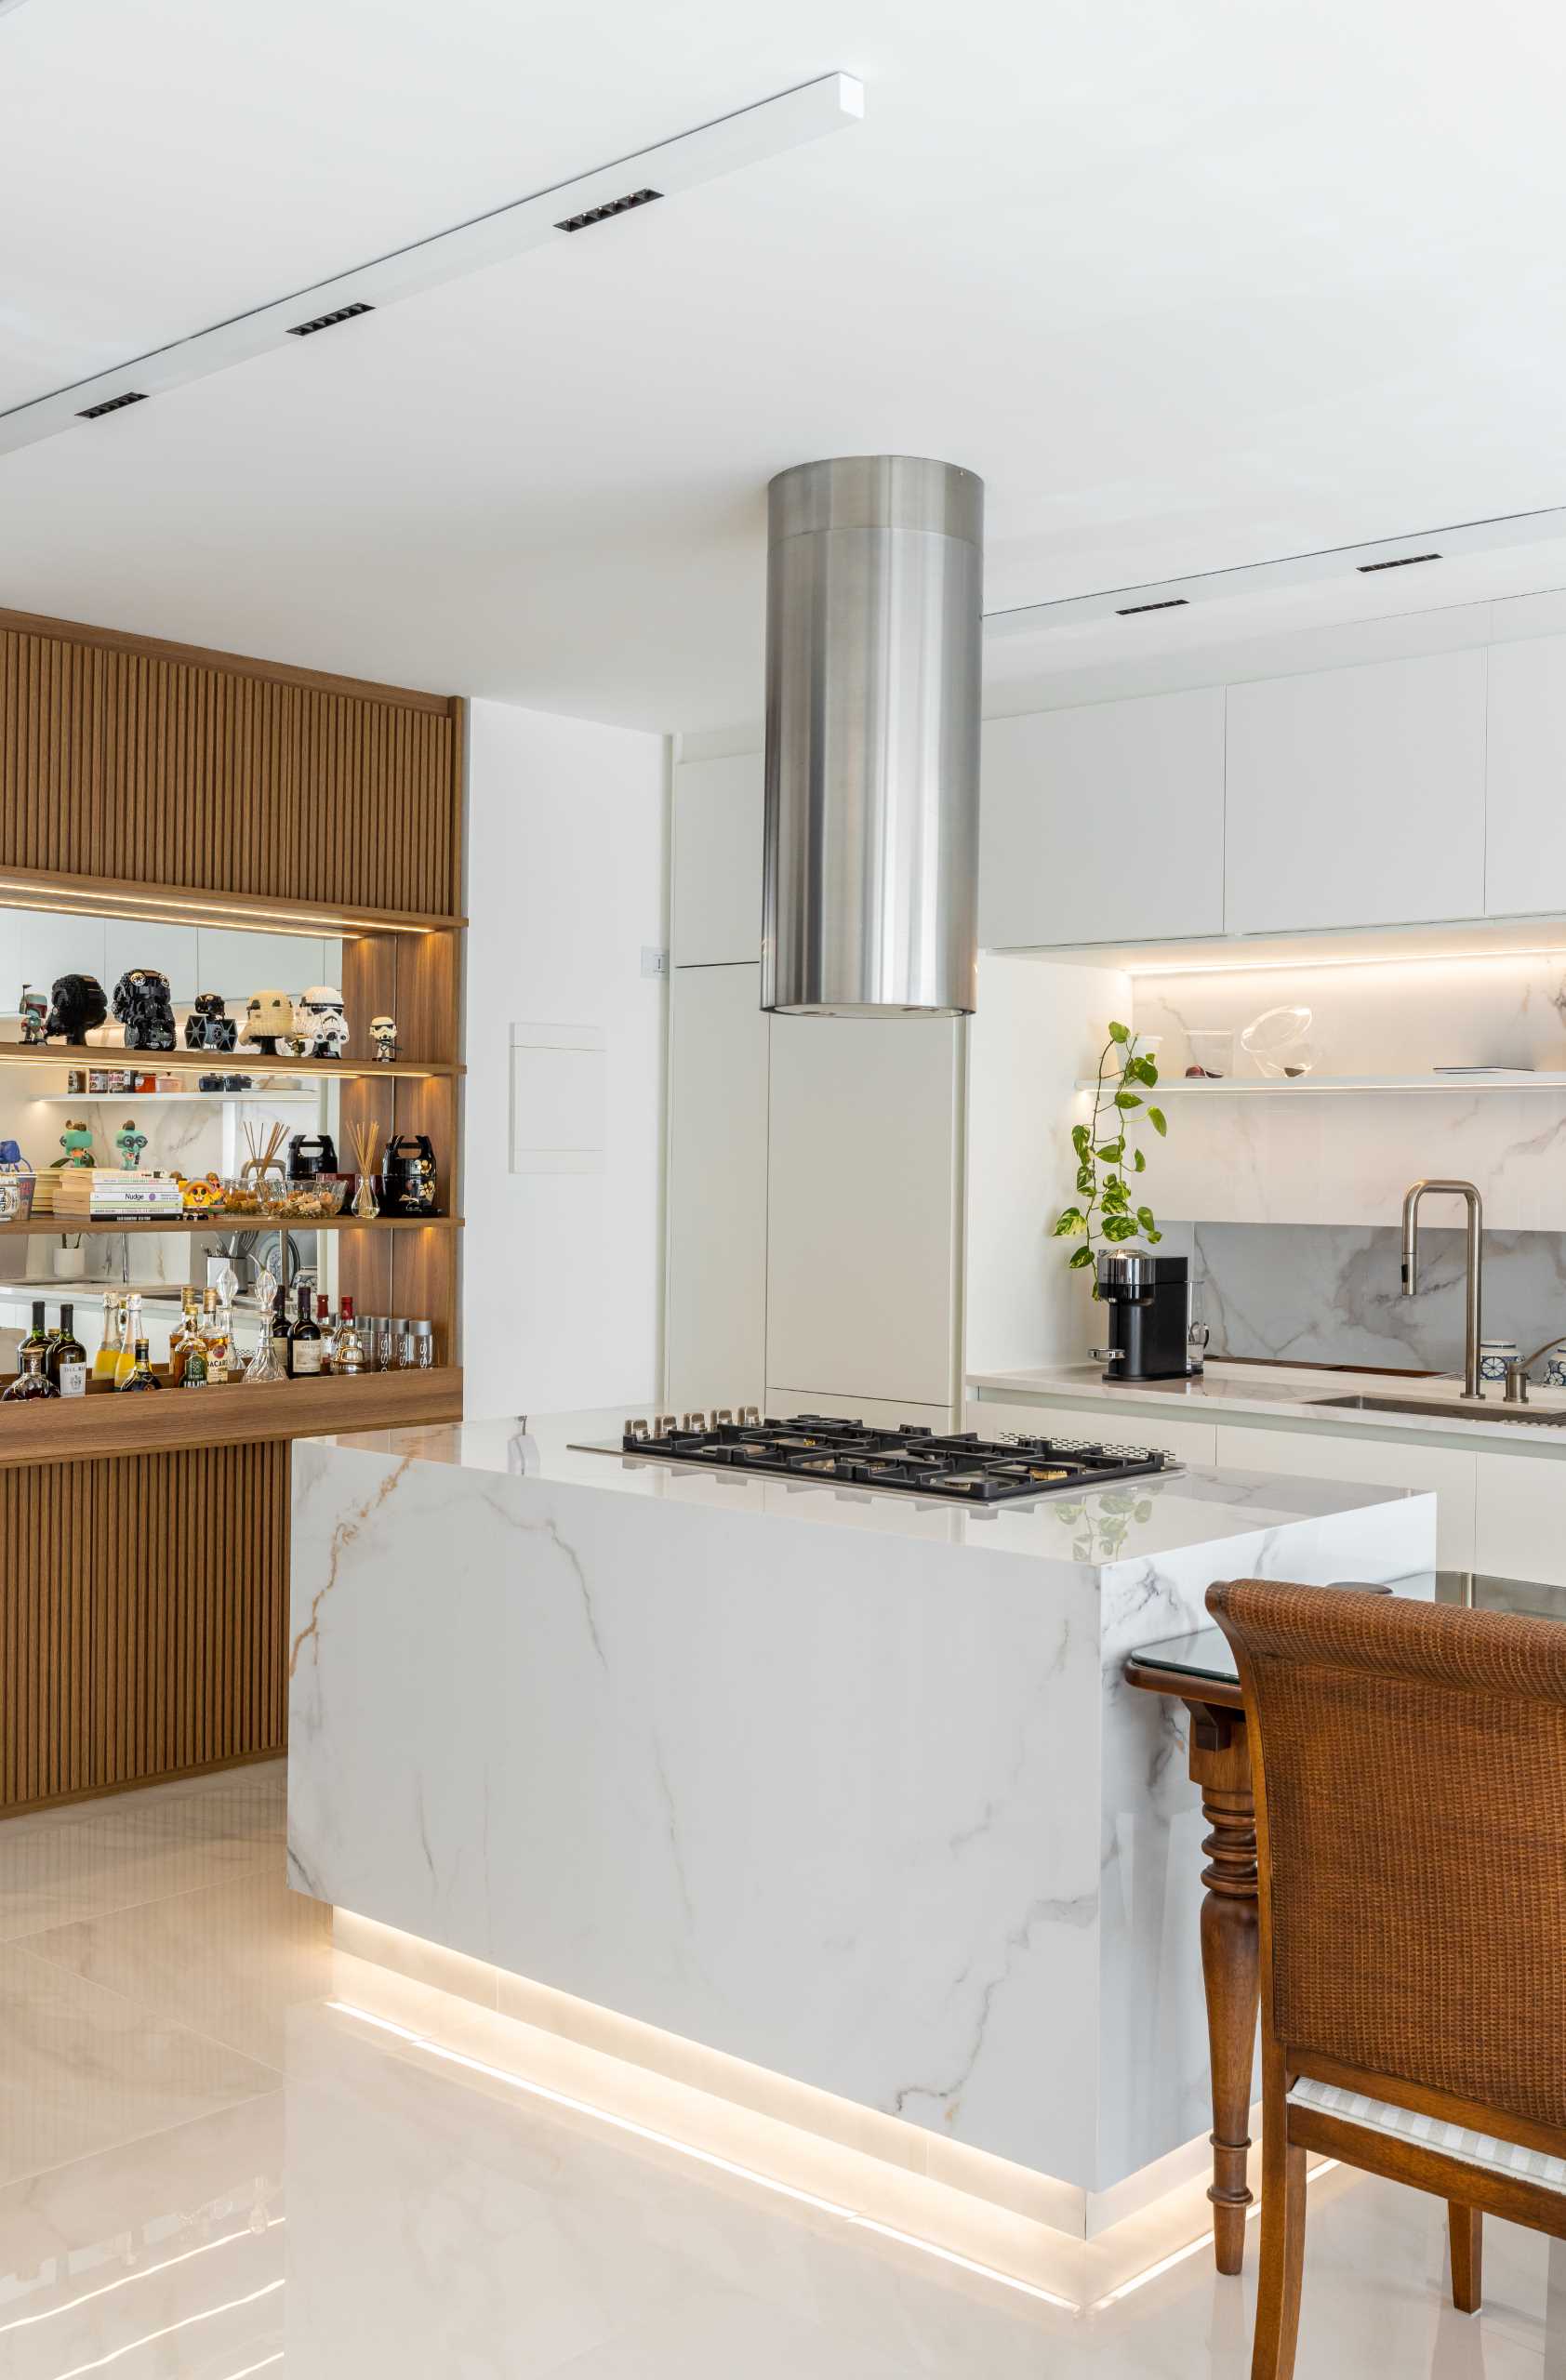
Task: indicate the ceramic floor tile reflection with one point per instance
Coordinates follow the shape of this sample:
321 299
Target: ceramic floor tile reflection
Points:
227 1959
381 2213
164 2256
82 2069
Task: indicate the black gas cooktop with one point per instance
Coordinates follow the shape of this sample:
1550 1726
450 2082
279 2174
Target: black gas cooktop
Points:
834 1451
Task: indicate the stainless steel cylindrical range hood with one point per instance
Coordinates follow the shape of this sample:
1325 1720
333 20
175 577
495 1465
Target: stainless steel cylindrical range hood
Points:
875 574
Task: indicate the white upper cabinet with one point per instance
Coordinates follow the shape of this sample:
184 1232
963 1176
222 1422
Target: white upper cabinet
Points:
717 866
1525 855
1356 796
1103 824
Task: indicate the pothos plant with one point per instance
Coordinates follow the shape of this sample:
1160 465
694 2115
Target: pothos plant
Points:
1108 1159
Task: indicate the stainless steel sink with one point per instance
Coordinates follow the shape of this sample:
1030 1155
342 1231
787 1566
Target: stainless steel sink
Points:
1456 1408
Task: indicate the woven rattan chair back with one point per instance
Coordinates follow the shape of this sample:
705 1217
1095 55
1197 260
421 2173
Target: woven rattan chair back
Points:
1409 1766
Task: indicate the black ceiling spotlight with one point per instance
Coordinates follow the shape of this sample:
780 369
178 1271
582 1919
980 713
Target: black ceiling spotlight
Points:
328 322
610 206
113 404
1398 562
1168 603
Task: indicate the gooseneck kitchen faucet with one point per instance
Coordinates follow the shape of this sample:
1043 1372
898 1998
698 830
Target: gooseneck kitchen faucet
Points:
1466 1191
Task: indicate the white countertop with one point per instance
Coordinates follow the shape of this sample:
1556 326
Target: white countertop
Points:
1233 1391
1138 1520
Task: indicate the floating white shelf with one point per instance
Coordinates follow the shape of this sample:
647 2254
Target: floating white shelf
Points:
1259 1087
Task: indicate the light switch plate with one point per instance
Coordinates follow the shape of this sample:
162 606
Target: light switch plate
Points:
653 962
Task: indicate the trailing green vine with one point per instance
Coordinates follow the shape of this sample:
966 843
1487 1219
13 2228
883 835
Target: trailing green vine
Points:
1108 1212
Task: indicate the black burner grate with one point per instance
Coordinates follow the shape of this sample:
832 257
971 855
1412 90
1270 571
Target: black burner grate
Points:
963 1467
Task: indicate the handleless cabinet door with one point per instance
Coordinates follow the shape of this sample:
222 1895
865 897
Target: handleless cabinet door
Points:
717 860
1103 824
1525 789
862 1208
716 1325
1356 796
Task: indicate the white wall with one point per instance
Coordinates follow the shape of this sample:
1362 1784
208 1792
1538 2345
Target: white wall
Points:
566 865
1038 1028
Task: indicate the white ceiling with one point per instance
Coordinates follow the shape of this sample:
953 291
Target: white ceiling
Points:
1190 282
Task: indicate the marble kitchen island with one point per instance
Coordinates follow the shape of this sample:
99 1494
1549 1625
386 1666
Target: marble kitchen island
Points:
845 1787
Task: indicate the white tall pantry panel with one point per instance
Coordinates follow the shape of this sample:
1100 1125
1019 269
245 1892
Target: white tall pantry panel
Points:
1104 823
863 1209
1356 796
1525 844
716 1310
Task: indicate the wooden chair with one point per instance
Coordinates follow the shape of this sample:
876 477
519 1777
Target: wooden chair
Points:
1409 1761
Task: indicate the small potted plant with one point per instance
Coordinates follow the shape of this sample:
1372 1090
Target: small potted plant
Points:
1107 1158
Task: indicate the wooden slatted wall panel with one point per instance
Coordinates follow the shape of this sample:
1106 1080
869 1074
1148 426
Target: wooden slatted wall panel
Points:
143 1618
121 763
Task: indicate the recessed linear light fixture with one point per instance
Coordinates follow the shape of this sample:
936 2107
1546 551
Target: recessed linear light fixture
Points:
1269 577
624 186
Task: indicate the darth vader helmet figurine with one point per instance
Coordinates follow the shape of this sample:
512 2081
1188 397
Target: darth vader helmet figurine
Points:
320 1027
268 1024
143 1006
209 1025
76 1004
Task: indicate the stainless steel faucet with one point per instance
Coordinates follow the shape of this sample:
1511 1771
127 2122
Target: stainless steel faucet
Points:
1466 1191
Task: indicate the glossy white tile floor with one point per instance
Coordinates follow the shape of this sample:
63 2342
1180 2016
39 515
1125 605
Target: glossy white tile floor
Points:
209 2174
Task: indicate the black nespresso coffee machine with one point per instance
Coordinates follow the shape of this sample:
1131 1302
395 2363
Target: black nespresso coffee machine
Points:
1148 1299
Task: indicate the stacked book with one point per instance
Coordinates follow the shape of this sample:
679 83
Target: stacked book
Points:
94 1193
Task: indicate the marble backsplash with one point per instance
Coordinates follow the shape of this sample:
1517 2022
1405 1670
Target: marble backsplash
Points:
1326 1293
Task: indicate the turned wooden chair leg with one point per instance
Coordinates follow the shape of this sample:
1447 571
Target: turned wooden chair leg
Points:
1467 2255
1282 2248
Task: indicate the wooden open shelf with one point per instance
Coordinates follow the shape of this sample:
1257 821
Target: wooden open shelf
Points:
219 1062
62 1226
104 1422
108 896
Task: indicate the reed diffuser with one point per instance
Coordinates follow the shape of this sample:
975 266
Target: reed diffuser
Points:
367 1147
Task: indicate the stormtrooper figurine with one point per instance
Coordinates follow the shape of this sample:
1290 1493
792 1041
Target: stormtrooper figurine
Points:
269 1022
383 1032
320 1027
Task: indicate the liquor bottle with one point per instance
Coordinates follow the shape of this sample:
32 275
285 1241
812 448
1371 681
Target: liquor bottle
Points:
217 1339
38 1336
185 1332
328 1329
32 1382
66 1363
280 1325
193 1371
305 1346
348 1347
113 1325
125 1362
140 1374
234 1362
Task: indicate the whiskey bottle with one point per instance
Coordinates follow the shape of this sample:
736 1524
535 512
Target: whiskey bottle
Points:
214 1340
125 1362
305 1347
185 1332
193 1371
328 1329
32 1382
140 1375
113 1329
66 1363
